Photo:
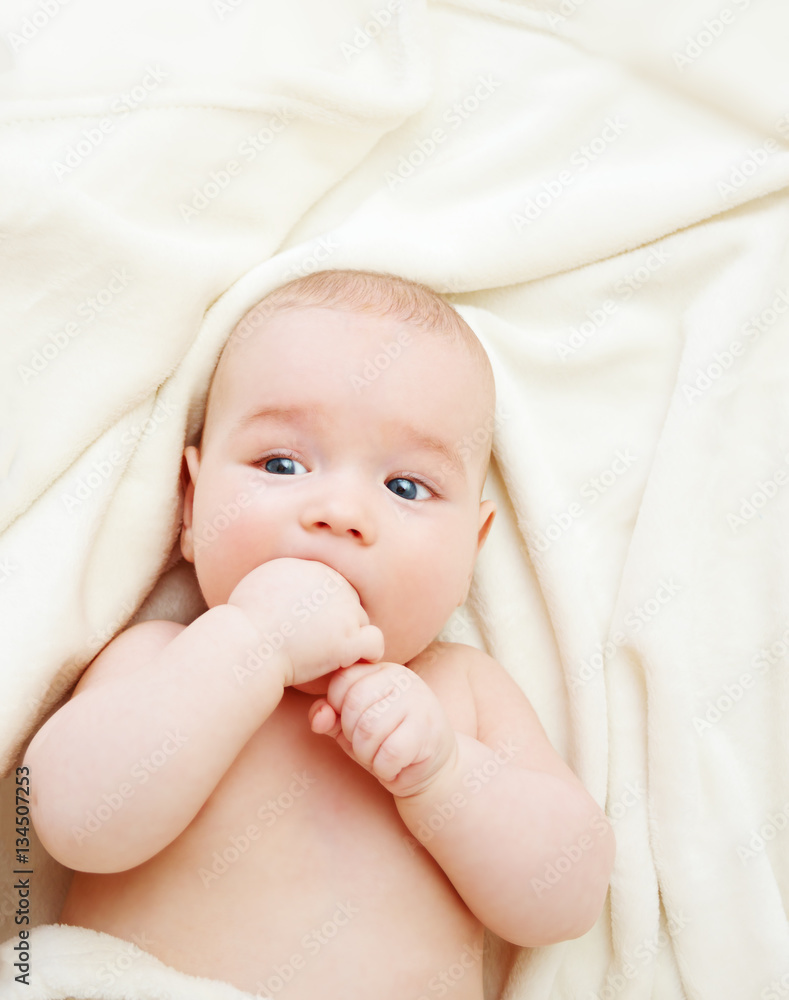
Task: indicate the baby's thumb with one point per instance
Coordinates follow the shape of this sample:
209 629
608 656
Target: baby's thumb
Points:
323 719
371 644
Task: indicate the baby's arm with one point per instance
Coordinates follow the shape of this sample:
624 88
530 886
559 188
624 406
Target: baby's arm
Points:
526 846
151 728
501 813
158 718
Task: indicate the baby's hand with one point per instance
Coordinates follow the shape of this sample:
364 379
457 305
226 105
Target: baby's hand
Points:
390 722
311 614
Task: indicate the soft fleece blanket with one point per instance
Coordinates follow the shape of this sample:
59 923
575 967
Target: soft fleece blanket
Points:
600 186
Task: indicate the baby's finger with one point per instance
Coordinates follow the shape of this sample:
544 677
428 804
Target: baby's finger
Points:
352 691
323 719
320 719
400 749
370 644
343 680
370 728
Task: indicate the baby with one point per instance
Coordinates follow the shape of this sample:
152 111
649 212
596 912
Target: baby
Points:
317 799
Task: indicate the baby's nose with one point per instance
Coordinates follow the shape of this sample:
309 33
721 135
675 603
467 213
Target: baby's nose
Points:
344 515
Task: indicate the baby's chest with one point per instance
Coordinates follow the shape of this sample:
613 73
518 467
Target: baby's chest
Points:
303 807
298 852
297 818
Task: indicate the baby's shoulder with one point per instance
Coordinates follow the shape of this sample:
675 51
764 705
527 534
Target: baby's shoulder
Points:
124 654
463 678
444 667
503 717
455 660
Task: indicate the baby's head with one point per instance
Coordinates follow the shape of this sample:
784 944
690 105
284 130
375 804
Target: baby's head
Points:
343 425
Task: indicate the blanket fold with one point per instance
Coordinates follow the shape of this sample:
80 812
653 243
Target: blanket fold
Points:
61 962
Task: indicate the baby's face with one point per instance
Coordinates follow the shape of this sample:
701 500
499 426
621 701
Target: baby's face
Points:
301 459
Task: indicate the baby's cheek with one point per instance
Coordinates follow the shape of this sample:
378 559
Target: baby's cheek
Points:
412 625
222 559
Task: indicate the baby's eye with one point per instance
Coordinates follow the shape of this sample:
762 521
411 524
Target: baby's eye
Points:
282 466
408 489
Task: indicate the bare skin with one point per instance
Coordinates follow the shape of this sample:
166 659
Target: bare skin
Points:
301 784
332 837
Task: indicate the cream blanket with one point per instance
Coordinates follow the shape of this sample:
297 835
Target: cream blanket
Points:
600 186
60 962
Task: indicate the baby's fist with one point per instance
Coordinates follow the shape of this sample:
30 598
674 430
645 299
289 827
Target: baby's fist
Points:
310 614
388 720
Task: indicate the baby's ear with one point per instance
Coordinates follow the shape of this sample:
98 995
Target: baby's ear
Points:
189 469
487 511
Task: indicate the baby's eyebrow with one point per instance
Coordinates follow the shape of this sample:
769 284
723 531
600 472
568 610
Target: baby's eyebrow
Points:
283 414
311 415
428 443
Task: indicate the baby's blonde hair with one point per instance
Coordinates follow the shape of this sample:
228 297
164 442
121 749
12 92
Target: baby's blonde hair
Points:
376 292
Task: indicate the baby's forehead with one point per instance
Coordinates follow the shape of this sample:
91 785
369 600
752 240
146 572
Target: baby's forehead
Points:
256 342
384 337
